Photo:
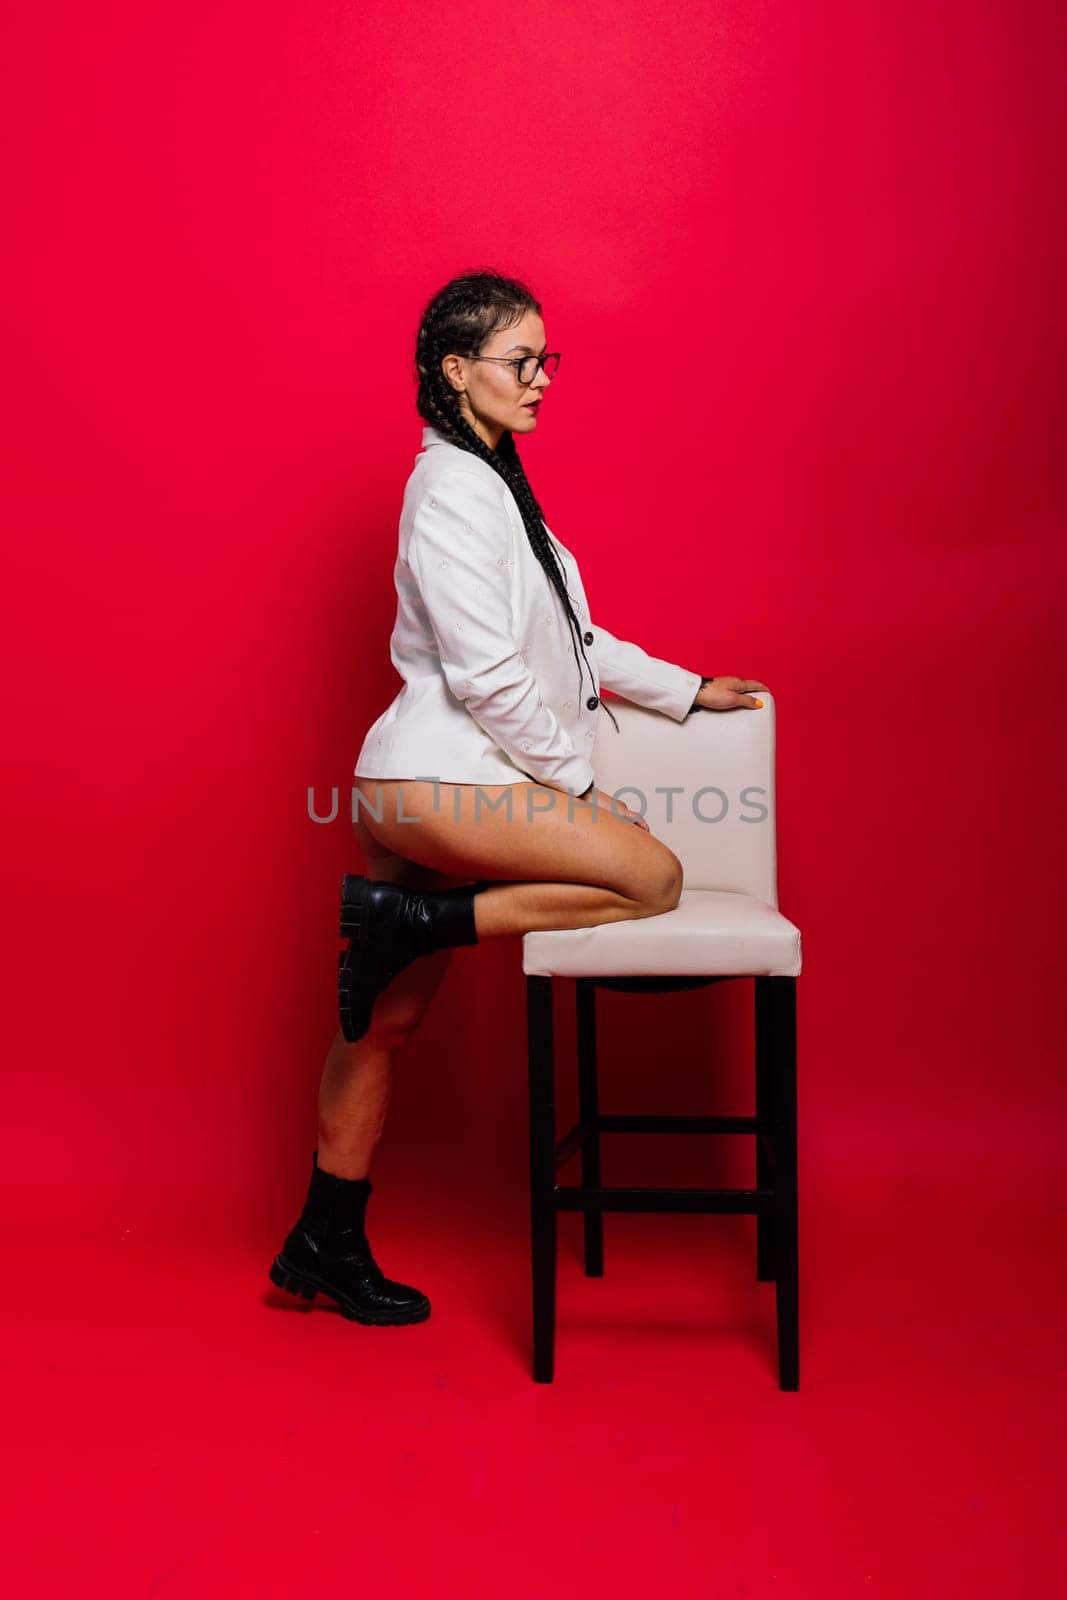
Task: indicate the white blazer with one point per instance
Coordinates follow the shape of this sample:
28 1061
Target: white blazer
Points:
491 689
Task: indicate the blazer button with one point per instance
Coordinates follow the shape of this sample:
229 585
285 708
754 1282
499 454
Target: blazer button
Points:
588 637
592 702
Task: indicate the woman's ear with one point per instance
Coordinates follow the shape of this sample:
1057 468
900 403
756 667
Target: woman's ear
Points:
452 368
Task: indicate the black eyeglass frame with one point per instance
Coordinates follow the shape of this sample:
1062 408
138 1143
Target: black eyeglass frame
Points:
519 361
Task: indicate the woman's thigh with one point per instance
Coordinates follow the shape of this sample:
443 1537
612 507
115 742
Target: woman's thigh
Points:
521 832
381 862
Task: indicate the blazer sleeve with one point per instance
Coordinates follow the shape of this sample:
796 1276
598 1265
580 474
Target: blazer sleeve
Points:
459 552
647 680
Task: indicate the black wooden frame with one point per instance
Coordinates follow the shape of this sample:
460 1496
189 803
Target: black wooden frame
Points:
773 1201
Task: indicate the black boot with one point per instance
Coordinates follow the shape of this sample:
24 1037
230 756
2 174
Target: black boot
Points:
389 926
328 1251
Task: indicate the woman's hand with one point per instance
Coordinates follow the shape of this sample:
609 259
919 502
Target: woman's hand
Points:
729 694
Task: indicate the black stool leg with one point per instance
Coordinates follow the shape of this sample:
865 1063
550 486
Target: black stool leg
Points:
776 1026
588 1112
542 1172
766 1254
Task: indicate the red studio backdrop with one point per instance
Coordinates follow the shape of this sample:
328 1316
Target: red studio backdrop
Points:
805 267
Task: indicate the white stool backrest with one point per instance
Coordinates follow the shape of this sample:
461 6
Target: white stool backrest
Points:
722 823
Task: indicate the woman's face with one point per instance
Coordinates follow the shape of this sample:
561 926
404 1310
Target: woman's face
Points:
490 394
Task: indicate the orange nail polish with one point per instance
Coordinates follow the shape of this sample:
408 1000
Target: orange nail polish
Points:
759 703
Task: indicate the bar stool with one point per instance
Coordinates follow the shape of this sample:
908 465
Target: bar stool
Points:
707 789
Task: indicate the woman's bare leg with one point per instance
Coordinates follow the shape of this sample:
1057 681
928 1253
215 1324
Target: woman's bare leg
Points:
356 1078
594 868
354 1091
561 863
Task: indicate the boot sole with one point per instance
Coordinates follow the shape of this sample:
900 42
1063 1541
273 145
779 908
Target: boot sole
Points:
307 1285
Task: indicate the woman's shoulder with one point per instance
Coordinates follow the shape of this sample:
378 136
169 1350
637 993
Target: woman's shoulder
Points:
439 455
444 461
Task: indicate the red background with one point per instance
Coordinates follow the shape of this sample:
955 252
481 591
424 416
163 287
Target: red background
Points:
805 267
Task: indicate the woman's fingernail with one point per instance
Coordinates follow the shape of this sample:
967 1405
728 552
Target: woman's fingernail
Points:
759 702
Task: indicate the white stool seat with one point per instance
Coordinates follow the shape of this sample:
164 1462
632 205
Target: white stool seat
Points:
709 933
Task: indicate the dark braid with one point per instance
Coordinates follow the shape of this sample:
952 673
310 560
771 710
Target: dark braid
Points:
458 321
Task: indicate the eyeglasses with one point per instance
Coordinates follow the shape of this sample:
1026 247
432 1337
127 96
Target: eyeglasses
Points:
526 366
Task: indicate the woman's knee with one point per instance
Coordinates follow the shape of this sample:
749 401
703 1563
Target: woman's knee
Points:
391 1031
660 888
400 1008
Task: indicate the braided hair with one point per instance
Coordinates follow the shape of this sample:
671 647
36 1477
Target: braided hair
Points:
459 320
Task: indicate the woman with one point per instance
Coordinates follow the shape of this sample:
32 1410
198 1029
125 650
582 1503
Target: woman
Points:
477 810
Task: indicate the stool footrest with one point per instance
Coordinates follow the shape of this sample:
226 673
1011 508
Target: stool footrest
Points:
573 1197
581 1133
674 1124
